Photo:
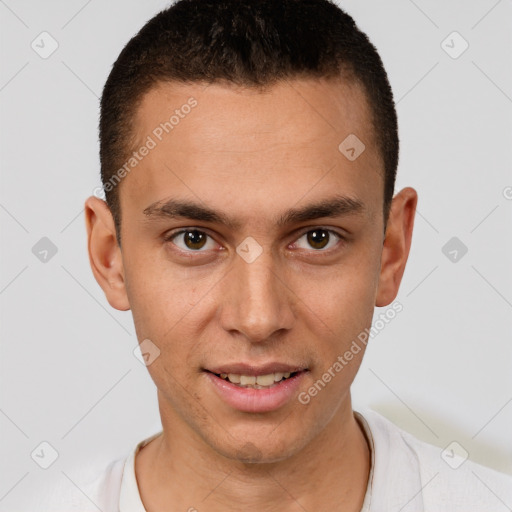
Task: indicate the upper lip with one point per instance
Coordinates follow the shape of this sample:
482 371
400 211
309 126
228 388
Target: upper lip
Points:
251 369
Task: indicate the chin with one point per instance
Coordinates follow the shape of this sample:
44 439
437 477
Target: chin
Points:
264 449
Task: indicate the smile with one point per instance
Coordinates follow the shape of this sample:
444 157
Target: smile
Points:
260 393
256 381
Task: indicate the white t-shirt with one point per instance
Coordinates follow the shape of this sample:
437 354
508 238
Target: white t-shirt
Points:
406 475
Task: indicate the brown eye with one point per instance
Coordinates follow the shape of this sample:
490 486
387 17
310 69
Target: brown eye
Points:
191 240
194 239
318 239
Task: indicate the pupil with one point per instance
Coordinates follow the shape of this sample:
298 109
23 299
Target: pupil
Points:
194 239
318 238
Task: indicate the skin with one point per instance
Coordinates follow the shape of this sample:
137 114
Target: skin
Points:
252 155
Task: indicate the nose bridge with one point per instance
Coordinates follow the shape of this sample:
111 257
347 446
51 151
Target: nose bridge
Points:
258 303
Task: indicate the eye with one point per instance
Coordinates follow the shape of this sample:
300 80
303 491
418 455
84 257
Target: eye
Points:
319 239
191 240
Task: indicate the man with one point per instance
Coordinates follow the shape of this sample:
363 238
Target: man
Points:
248 154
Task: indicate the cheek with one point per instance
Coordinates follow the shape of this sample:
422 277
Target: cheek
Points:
339 328
171 307
159 294
351 305
342 314
343 300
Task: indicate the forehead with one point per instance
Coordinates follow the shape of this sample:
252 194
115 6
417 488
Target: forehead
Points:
255 115
251 142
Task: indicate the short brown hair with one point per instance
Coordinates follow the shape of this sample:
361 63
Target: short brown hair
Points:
246 42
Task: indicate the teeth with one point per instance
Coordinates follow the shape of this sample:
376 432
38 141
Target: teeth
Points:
259 382
265 380
247 379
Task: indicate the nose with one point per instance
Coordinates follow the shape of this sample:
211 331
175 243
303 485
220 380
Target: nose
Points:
256 300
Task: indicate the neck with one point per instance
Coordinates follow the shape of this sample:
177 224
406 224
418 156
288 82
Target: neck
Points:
330 473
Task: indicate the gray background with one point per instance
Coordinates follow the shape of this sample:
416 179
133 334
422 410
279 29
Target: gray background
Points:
440 369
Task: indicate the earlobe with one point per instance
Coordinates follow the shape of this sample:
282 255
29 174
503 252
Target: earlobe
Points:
105 255
397 244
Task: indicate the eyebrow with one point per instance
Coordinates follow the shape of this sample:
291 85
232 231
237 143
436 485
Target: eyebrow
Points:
336 206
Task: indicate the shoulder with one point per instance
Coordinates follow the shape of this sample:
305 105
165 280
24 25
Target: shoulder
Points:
104 485
86 487
438 479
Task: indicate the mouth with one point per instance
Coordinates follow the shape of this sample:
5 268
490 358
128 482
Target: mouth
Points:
256 390
265 381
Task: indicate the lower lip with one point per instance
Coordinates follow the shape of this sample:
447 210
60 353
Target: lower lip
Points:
256 400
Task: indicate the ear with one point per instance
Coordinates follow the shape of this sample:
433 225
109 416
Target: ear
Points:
397 243
104 252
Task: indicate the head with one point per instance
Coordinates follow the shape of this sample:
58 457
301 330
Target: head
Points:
248 154
253 44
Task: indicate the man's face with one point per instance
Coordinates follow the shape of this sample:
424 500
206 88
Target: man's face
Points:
209 300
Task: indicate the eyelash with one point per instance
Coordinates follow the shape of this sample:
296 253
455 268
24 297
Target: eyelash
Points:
170 236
